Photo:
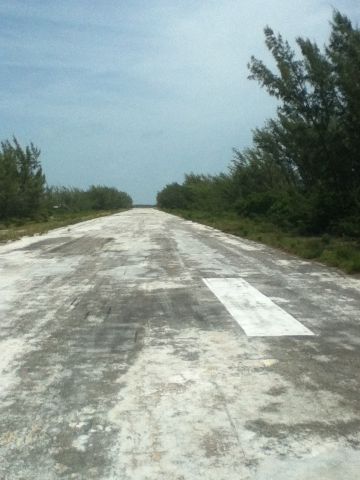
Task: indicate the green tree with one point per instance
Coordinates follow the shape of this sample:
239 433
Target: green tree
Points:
107 198
22 182
174 196
317 127
97 197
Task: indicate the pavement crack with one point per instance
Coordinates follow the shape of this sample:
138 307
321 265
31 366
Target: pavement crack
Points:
231 421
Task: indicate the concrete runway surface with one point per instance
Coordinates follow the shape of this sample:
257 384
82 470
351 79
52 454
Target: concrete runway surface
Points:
141 346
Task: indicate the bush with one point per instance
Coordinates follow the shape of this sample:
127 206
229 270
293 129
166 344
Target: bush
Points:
255 204
22 182
349 226
174 196
291 211
62 199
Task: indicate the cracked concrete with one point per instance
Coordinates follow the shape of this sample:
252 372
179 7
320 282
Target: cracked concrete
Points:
117 361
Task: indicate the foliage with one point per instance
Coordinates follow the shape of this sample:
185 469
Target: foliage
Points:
22 183
97 197
174 196
317 129
212 193
302 172
104 198
24 195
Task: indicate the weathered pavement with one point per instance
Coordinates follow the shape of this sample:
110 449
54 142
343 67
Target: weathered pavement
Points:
119 361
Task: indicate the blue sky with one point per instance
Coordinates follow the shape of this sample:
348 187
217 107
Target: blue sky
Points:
134 94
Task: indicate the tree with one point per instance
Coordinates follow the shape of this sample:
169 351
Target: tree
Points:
317 130
107 198
174 196
97 197
22 182
303 169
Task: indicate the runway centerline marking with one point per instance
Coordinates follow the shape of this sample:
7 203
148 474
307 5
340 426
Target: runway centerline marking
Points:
256 313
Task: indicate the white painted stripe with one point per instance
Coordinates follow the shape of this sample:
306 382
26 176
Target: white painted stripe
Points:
256 314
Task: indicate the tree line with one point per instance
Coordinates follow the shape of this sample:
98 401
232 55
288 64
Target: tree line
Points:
25 194
303 170
96 197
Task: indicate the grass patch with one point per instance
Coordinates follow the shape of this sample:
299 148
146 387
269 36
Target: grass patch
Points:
340 252
15 229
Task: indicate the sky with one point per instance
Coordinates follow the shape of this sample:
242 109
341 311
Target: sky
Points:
135 93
